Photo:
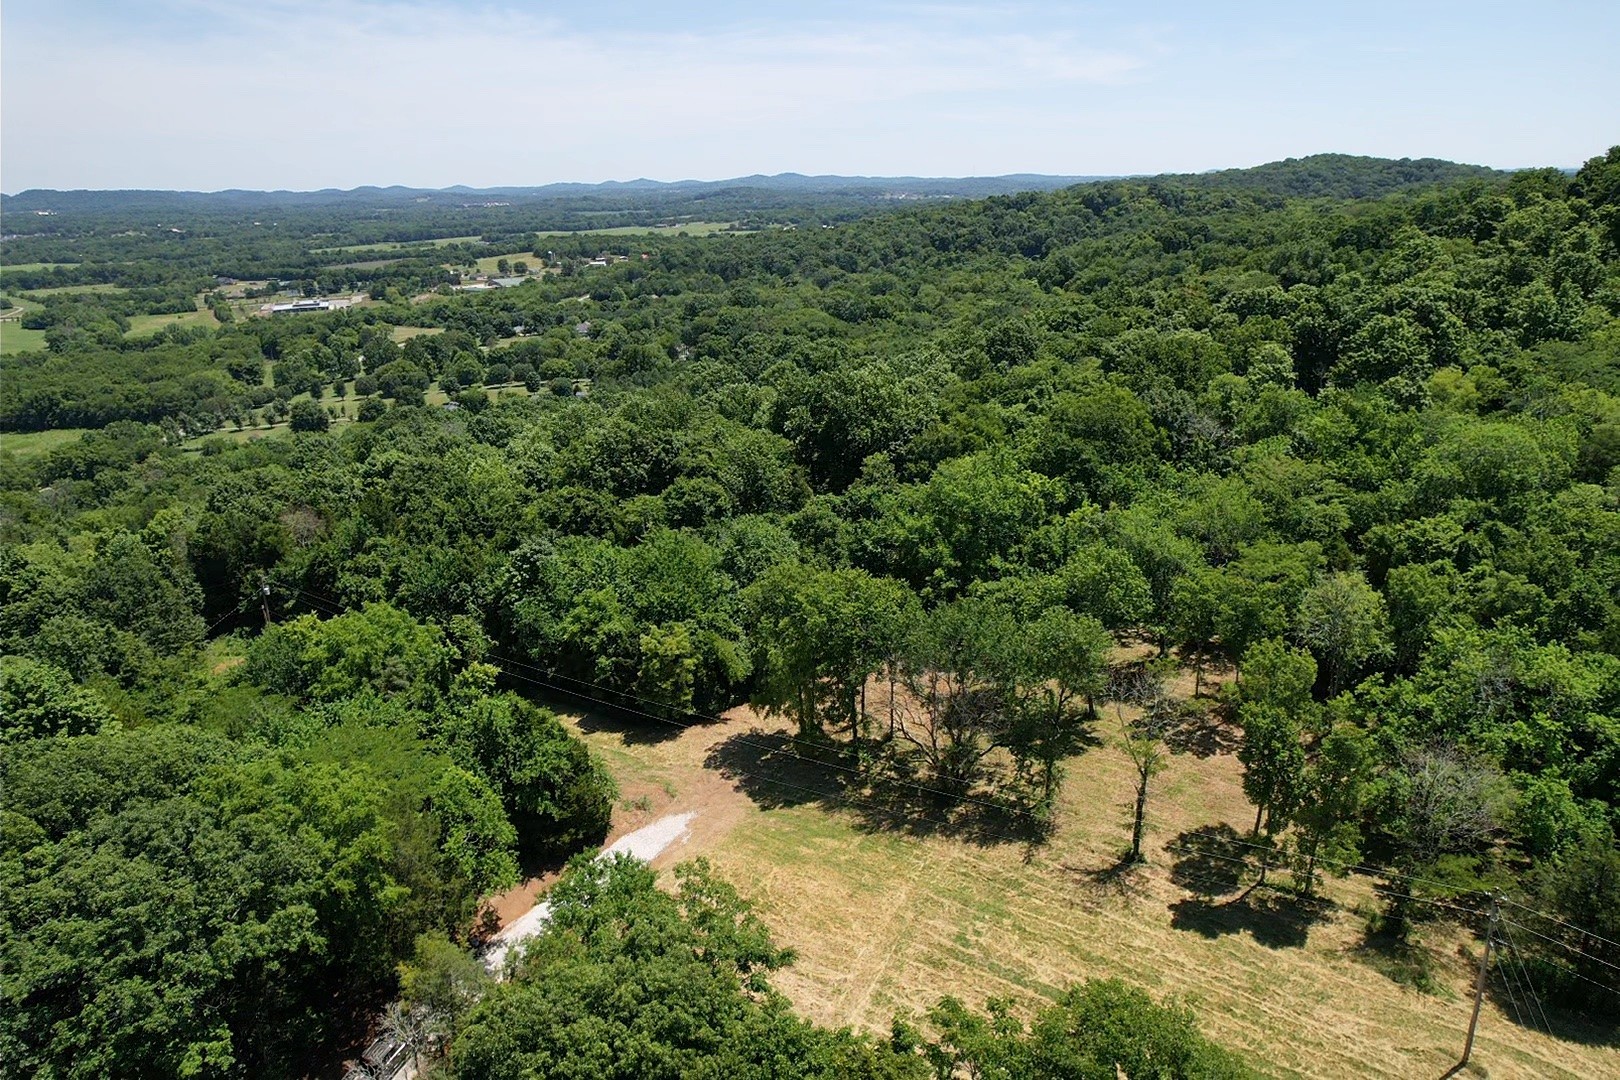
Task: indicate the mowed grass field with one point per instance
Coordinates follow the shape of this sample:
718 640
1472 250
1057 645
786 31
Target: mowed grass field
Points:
64 290
690 228
148 324
395 245
348 409
27 444
402 334
491 265
887 919
14 337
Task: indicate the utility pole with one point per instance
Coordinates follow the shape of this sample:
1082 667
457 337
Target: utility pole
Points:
1479 983
264 601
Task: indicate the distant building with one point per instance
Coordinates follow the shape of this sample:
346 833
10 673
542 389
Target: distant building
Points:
298 306
507 282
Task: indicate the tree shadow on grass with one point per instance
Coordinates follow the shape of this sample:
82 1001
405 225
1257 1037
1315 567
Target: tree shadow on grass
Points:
891 801
776 770
1209 861
1402 961
635 724
1523 994
1203 733
1275 920
1121 879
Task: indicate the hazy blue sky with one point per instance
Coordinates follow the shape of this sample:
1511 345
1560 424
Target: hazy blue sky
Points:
301 94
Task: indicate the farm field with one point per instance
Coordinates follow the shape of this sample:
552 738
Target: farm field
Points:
16 338
65 290
20 267
149 324
27 444
886 918
690 228
348 406
491 265
395 245
402 334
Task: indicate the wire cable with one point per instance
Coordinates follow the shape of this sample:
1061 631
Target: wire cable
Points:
1529 985
334 607
1507 985
1564 945
1566 925
988 804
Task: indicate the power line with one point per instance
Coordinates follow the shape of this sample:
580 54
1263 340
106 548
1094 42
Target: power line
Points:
988 804
217 622
1529 986
1565 925
334 607
1388 892
842 795
1566 945
1567 970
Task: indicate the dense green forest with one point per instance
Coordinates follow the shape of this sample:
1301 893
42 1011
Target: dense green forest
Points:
268 733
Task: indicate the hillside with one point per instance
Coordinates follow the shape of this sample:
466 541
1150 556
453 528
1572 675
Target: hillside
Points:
1341 176
1147 627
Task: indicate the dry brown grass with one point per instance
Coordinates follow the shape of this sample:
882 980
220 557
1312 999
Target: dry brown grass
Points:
885 921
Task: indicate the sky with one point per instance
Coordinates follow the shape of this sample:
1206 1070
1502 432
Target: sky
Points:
304 94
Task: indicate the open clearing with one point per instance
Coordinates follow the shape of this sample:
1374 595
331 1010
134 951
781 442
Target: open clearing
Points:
149 324
22 267
27 444
65 290
16 338
402 334
690 228
397 245
348 406
491 265
887 918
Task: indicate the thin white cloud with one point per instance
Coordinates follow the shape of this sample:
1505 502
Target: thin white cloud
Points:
352 92
300 93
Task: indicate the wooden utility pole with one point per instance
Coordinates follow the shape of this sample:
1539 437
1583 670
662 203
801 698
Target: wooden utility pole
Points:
1479 984
264 601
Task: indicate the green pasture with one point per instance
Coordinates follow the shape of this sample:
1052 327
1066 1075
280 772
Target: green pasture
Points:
394 245
402 334
149 324
27 444
64 290
690 228
14 338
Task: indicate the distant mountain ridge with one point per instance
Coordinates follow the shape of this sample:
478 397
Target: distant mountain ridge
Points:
1335 175
786 183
